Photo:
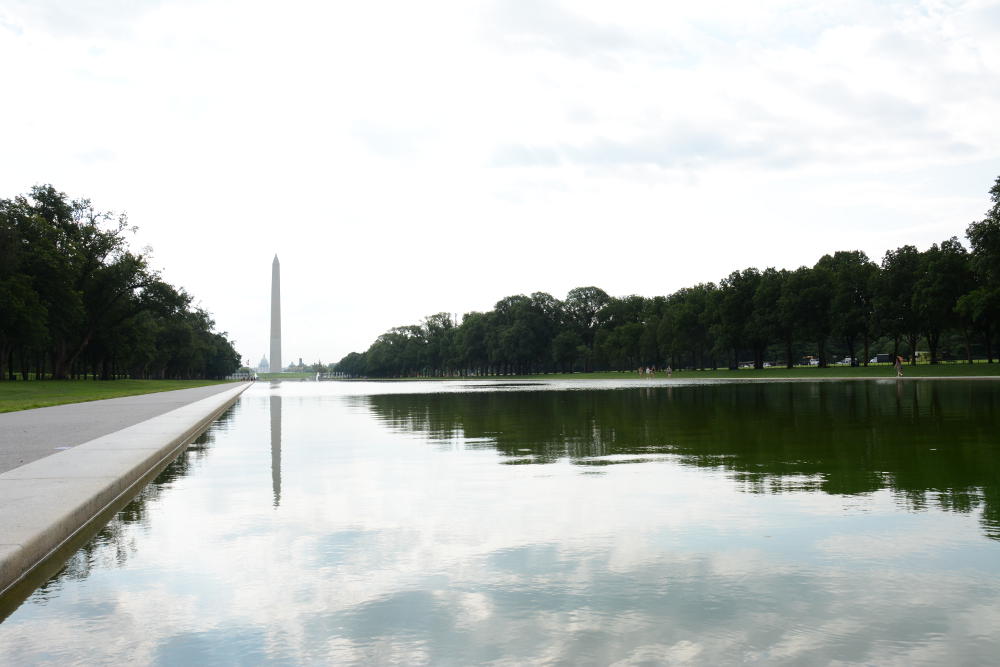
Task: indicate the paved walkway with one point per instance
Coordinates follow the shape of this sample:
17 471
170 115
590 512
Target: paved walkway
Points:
45 502
29 435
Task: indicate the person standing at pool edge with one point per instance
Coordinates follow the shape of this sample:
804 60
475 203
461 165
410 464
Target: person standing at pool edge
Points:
899 366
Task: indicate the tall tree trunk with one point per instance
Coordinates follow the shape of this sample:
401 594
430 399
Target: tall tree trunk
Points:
60 365
911 340
989 345
932 343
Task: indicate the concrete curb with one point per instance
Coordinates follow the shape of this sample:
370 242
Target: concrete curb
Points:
43 504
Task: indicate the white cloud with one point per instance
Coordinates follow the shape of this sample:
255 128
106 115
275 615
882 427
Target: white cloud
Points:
404 159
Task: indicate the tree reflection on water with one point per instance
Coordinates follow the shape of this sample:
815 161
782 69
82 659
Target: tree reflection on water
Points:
931 443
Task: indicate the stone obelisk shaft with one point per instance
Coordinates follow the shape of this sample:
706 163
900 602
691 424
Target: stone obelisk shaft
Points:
275 361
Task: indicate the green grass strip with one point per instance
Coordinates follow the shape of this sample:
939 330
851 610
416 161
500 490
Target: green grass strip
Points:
799 372
43 393
295 375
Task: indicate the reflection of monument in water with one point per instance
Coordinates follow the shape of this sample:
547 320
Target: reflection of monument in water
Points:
275 361
276 445
275 366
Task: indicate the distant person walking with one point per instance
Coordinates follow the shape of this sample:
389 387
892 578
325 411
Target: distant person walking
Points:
899 366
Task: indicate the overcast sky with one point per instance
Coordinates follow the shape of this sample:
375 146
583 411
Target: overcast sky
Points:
406 158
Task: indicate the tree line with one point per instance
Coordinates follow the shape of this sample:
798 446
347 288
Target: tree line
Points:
943 302
76 301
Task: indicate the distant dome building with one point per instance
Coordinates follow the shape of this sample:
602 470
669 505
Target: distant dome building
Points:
263 366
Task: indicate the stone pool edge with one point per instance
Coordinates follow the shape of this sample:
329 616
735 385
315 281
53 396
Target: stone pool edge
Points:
45 503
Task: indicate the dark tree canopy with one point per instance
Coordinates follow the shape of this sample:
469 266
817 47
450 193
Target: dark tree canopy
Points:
943 302
75 300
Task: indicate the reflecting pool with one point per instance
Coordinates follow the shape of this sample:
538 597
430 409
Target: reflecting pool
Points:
641 522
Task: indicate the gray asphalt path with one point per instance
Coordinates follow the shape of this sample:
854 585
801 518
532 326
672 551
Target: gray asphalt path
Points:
29 435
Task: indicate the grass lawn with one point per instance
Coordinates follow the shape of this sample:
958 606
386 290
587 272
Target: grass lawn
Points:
41 393
296 375
803 372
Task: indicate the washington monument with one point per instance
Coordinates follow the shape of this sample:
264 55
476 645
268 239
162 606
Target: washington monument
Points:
275 364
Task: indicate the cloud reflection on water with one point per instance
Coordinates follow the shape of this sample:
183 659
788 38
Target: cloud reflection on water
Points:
386 549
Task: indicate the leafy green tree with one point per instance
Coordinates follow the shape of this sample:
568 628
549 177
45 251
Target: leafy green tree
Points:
74 297
979 310
945 278
851 298
22 318
524 336
352 365
566 349
471 341
740 326
685 325
649 353
582 307
439 332
895 313
982 306
805 300
22 314
768 314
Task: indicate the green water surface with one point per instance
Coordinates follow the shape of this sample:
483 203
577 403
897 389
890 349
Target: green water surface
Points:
644 522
